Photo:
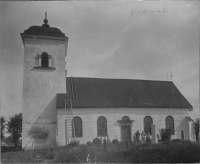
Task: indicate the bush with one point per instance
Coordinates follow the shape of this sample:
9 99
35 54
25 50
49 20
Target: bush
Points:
97 141
83 144
50 153
113 157
149 154
18 148
3 149
180 141
115 141
73 143
165 134
38 132
76 154
89 143
183 152
143 145
92 154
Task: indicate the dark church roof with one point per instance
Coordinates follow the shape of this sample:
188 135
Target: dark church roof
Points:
45 29
114 93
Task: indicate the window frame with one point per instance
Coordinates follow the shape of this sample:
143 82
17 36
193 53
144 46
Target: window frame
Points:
48 64
147 129
100 132
74 127
167 122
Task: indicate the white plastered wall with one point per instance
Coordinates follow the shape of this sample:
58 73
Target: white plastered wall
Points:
40 88
89 120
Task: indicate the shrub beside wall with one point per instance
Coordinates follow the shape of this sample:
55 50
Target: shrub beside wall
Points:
89 143
97 141
73 143
115 141
40 135
38 132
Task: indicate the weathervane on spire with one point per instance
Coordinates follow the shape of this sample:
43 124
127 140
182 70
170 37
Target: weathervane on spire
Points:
45 20
172 73
171 76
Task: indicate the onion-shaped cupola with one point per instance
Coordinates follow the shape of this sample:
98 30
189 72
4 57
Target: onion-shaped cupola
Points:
45 29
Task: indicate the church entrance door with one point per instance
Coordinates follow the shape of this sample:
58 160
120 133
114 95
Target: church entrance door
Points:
125 131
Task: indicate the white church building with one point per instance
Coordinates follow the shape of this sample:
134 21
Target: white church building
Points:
98 107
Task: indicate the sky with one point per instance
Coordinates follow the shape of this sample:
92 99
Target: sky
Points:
117 39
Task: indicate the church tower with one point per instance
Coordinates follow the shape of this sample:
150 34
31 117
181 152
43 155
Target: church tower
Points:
44 76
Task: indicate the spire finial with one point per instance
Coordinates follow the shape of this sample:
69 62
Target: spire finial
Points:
45 20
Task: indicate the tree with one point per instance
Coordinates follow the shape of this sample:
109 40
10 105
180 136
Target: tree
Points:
8 140
14 127
197 128
2 126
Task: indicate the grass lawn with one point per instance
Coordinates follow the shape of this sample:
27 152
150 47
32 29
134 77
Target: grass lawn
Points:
41 155
172 152
30 156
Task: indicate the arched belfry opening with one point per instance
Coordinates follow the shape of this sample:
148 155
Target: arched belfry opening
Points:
45 60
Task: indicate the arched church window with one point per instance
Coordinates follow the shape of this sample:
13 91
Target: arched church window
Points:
148 121
77 127
169 123
101 126
125 118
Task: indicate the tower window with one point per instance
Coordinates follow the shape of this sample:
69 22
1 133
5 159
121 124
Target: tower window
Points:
45 60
